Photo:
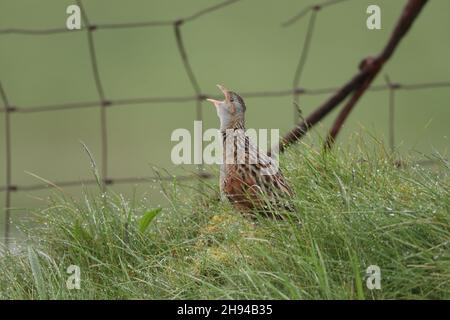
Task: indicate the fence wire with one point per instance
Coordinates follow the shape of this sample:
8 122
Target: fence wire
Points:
103 103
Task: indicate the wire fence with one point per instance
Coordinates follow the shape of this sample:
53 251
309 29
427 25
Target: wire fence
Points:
199 96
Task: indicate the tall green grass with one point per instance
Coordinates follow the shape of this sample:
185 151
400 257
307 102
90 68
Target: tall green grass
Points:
354 209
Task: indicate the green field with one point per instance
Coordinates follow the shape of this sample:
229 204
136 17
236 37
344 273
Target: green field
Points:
242 46
351 212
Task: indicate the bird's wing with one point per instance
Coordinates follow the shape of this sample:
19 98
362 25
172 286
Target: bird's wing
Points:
267 176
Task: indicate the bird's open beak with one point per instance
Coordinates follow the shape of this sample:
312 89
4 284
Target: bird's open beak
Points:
216 102
225 93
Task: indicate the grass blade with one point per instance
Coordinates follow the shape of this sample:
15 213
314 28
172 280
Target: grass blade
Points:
145 220
37 273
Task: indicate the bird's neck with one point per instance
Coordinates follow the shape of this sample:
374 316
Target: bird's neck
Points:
235 124
231 136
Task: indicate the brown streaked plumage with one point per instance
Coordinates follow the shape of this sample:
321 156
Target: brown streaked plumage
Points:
243 176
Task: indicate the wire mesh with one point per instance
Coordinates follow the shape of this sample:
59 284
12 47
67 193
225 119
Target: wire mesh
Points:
103 103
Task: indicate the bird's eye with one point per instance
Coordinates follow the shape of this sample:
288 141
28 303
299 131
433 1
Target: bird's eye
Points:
231 99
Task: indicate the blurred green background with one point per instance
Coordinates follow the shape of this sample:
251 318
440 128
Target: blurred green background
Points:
242 46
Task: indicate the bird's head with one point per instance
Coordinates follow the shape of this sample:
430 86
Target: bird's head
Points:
231 110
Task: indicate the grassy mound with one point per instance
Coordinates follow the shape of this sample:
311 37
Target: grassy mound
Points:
354 210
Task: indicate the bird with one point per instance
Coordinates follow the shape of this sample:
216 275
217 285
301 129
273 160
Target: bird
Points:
250 180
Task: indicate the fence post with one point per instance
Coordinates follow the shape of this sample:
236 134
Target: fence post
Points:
301 64
7 218
103 101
